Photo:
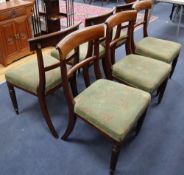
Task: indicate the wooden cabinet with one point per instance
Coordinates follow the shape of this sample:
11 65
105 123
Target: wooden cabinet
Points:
15 30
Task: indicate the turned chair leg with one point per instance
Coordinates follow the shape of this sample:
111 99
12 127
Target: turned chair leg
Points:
140 123
43 105
114 157
173 66
13 97
70 127
162 90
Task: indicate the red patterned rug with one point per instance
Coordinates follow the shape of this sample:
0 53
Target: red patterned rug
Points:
82 11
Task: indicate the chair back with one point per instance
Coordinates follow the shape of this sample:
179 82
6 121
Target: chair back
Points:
124 7
145 6
90 21
38 43
127 19
121 8
129 1
72 41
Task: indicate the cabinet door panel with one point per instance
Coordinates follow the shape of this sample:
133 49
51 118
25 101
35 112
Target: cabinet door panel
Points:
9 40
23 31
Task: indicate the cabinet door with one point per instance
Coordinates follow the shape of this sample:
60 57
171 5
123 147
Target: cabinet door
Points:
9 40
23 31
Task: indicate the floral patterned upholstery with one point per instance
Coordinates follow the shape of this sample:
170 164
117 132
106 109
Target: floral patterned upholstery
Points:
83 51
26 76
111 107
159 49
141 72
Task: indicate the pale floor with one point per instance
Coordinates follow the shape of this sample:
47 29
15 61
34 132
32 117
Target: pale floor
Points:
21 61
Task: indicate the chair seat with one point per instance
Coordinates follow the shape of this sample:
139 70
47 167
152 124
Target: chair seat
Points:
159 49
141 72
83 51
26 76
111 107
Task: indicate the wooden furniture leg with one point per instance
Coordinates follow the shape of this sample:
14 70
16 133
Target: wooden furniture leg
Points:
42 102
71 124
114 157
140 123
173 66
13 97
162 90
172 11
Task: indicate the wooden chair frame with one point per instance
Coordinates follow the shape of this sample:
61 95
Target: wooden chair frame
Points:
117 20
98 19
90 21
37 44
117 9
88 34
146 6
93 33
124 7
130 1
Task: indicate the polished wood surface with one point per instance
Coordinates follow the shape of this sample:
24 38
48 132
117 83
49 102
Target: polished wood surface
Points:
15 30
4 6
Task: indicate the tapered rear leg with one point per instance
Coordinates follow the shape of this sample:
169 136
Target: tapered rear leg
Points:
70 127
114 157
13 97
43 105
173 66
162 90
140 123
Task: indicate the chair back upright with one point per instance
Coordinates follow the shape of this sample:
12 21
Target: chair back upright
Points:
121 8
145 6
114 21
88 34
44 41
94 20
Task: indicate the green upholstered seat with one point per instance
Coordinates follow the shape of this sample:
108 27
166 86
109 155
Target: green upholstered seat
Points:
159 49
141 72
111 107
83 51
26 76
